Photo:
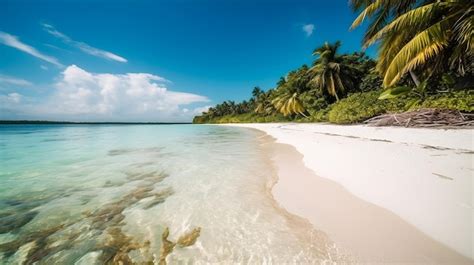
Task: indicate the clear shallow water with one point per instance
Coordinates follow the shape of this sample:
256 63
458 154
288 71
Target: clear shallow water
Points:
93 194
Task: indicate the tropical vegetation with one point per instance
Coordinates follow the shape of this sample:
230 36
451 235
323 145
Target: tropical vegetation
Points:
425 60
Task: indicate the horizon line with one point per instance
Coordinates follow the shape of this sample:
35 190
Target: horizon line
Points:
87 122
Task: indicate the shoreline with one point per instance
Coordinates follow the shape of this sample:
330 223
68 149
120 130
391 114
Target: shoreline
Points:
308 233
372 231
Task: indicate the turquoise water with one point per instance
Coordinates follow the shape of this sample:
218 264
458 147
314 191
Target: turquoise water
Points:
104 194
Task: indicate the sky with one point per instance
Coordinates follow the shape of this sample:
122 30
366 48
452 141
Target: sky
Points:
155 61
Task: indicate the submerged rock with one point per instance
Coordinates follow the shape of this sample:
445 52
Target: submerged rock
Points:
21 256
151 177
167 246
38 250
112 213
117 246
97 237
15 221
185 240
159 197
91 258
190 238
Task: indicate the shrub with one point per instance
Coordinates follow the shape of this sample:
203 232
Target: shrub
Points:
248 118
320 115
462 100
361 106
313 100
370 82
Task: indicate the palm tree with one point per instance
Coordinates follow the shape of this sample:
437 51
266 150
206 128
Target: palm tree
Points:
289 103
256 92
264 103
328 72
424 36
287 95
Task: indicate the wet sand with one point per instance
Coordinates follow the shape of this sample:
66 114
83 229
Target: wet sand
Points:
360 229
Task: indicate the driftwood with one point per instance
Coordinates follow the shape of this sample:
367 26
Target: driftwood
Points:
427 118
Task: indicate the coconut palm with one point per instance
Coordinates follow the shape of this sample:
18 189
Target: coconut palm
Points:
256 92
289 103
264 103
329 73
423 36
286 98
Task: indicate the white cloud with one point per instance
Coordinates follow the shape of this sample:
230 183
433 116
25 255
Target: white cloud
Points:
308 29
80 94
15 97
12 98
10 105
200 110
13 41
14 81
83 46
44 67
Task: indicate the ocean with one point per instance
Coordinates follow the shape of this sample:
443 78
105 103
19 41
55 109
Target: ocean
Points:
105 194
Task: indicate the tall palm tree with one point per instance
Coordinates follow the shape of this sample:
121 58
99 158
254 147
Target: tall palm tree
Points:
424 36
328 72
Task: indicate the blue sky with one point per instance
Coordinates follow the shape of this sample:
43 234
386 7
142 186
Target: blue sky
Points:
154 60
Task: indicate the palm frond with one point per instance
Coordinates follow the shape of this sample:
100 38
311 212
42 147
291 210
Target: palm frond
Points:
436 37
367 12
412 19
464 29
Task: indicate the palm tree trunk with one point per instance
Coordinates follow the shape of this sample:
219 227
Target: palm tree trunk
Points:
415 78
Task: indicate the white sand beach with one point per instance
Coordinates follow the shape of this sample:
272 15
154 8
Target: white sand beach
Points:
394 195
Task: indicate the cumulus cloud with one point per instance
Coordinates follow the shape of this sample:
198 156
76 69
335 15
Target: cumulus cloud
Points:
14 42
83 46
13 81
82 95
308 29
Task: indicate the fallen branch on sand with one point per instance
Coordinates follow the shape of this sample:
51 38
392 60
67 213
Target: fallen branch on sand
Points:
426 118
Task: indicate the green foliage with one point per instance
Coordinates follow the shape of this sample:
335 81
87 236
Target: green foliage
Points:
313 101
358 107
248 118
287 96
462 100
321 115
200 119
288 104
371 81
361 106
344 88
418 36
395 92
263 103
331 73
